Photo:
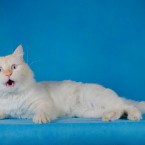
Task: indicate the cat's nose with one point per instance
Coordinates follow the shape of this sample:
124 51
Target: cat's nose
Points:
8 74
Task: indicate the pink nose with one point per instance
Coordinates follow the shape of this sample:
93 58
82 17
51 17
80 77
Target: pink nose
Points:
8 74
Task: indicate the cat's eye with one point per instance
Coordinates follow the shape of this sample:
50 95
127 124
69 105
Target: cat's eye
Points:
1 69
14 66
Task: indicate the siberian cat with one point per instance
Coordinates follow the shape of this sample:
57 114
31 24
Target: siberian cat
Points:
22 97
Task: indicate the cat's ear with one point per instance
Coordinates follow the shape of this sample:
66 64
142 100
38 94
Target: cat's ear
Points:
19 51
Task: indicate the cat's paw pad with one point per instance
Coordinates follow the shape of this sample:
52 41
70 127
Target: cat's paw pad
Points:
135 116
110 116
41 118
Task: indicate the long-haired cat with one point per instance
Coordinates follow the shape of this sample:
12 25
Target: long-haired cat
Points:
22 97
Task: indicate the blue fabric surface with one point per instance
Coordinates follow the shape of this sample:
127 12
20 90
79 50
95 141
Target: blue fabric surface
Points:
72 131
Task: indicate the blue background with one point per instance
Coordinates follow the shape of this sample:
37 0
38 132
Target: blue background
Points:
99 41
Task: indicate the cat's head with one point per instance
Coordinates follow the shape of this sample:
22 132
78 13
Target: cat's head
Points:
15 74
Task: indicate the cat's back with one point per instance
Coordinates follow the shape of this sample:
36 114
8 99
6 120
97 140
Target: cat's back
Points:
69 86
55 85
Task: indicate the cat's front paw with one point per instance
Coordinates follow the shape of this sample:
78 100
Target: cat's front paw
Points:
41 118
2 114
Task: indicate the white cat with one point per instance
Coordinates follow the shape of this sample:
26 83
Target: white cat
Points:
22 97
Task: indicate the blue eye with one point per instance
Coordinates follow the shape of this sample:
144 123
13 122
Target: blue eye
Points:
1 69
14 66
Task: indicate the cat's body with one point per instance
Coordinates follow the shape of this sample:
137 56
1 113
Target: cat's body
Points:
22 97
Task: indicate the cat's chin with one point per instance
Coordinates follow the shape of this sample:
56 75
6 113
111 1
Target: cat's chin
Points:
10 83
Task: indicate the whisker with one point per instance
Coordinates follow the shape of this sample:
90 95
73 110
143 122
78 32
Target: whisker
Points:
33 62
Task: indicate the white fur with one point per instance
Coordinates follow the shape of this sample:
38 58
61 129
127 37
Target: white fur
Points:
45 101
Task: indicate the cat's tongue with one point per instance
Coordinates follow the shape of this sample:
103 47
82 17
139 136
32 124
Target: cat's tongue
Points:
10 83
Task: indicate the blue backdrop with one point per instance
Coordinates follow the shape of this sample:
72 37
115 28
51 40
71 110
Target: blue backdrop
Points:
99 41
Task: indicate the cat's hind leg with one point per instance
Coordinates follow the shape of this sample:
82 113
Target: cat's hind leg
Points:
98 113
107 115
132 114
85 112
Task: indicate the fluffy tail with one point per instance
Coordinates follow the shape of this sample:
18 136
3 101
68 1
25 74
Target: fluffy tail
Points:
139 105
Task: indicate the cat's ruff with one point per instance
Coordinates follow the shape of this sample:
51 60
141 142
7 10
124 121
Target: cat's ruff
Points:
22 97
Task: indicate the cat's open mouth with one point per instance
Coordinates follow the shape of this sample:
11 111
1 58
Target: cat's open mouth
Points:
10 83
